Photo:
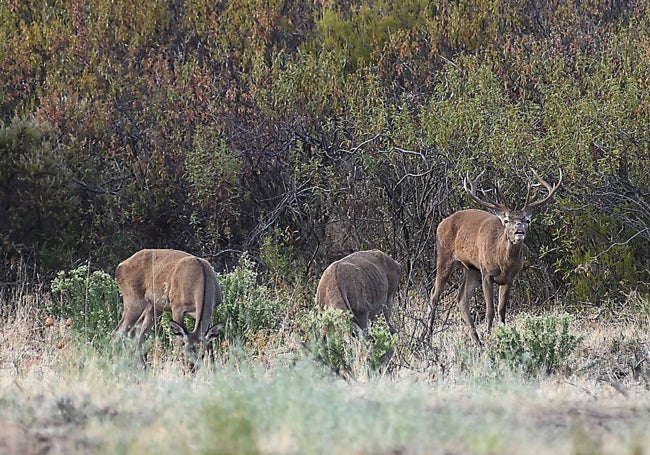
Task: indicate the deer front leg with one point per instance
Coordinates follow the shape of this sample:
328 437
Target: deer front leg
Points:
504 292
488 294
131 316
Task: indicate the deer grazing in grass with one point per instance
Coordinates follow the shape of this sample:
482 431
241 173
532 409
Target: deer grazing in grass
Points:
489 248
154 281
363 283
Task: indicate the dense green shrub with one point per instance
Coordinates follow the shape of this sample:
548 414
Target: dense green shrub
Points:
304 131
90 299
543 345
330 338
39 211
382 344
280 254
248 306
211 171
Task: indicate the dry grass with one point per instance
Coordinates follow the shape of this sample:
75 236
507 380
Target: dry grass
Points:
61 396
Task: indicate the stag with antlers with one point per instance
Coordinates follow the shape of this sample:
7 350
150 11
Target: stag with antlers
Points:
489 247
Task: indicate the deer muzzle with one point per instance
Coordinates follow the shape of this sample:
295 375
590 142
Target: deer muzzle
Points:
519 234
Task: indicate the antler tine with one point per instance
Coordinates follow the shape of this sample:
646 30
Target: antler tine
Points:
530 187
550 188
501 197
470 187
472 183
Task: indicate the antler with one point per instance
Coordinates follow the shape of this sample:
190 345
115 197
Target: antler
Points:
470 186
551 190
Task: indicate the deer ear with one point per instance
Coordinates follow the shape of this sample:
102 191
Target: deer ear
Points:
178 329
213 332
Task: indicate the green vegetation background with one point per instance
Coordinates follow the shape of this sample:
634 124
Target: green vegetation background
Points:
301 131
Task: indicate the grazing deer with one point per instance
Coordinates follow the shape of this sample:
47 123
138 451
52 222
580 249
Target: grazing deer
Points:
488 247
154 281
363 283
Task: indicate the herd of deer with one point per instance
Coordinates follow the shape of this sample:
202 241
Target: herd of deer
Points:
489 247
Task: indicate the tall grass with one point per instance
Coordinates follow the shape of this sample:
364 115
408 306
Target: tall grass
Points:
90 402
78 397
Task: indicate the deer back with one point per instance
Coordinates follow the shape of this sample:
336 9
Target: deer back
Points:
147 275
360 282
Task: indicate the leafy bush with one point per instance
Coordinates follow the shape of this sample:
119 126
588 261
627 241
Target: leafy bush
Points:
210 170
543 345
382 344
38 210
330 339
247 307
90 299
280 254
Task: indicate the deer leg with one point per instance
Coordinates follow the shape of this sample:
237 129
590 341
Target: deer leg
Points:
360 324
211 335
472 278
444 268
488 295
504 292
387 310
133 308
147 319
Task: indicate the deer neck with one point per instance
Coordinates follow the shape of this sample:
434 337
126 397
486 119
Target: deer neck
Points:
508 251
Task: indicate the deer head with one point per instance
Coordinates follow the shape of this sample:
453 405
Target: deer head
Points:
515 222
196 345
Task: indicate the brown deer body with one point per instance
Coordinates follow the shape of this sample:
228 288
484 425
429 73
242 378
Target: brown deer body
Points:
154 281
363 283
489 247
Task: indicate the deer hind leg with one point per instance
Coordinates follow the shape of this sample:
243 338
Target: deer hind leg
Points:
132 313
471 280
387 310
360 325
146 321
444 268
